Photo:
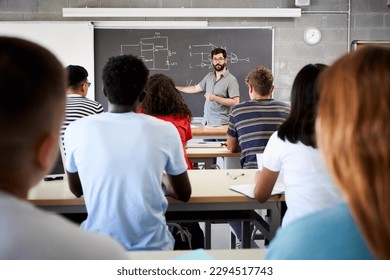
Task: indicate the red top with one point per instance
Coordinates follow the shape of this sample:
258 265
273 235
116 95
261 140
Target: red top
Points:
183 126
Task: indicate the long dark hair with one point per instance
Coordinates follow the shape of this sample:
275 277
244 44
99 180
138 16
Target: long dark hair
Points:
299 126
163 99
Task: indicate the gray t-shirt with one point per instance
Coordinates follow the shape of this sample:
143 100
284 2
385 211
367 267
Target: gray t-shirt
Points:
227 87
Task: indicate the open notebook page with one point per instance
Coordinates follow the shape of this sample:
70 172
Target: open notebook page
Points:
247 189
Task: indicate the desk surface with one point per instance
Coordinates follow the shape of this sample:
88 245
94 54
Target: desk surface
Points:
201 130
244 254
210 185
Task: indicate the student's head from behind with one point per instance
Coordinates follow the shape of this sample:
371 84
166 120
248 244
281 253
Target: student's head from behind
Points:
260 82
77 79
32 103
124 78
353 134
162 98
300 124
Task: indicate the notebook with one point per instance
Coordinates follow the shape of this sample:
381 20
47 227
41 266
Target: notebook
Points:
204 145
247 189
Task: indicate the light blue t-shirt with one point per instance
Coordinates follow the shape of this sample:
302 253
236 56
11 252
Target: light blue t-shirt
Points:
120 159
327 235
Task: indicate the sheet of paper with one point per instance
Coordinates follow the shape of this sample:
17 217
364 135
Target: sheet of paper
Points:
247 189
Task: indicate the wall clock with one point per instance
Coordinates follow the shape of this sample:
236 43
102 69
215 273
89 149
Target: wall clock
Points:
312 36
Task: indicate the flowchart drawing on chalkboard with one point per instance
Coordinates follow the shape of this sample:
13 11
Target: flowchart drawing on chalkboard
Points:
153 51
203 53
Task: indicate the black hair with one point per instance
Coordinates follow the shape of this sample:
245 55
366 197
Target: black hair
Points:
124 78
30 79
77 75
218 51
32 87
300 124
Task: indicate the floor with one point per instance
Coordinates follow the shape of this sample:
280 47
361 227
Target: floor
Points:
220 233
220 237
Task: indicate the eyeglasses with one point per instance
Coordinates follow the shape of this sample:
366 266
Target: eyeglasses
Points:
219 59
88 84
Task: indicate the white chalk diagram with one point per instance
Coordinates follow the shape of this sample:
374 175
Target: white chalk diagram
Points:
202 52
154 52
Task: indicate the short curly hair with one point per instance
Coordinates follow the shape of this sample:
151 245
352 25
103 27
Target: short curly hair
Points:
261 79
124 78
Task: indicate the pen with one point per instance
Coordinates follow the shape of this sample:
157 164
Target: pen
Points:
234 177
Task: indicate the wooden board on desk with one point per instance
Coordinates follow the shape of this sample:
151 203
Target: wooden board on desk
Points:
209 131
203 144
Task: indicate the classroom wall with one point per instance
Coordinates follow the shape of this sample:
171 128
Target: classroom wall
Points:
370 20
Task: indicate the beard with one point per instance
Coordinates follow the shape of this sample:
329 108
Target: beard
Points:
219 67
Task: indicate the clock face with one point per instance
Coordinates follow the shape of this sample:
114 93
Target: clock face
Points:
312 36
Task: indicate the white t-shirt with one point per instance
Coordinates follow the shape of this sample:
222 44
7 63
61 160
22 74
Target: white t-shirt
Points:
120 159
30 233
309 187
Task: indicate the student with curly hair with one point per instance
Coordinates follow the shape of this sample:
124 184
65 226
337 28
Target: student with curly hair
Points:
164 101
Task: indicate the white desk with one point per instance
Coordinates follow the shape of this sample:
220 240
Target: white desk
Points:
211 201
244 254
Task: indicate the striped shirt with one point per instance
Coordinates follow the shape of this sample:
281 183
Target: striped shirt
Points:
77 107
252 123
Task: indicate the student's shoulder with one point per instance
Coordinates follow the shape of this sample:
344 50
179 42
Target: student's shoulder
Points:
312 236
156 123
280 104
243 105
85 121
67 235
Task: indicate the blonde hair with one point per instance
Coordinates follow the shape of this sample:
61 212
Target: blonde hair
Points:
354 134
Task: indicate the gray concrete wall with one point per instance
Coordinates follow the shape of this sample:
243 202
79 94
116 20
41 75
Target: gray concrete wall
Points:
369 20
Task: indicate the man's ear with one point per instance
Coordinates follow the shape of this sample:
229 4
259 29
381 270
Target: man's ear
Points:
84 89
250 88
272 90
47 152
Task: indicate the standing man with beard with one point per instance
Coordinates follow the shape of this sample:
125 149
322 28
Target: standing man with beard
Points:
221 90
